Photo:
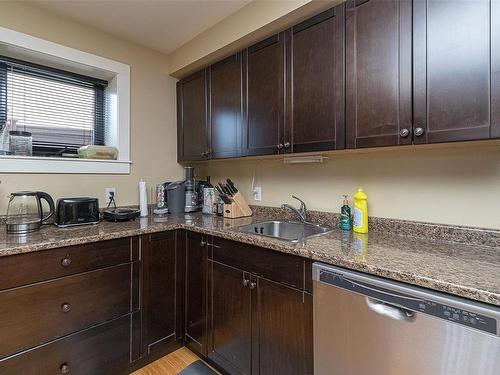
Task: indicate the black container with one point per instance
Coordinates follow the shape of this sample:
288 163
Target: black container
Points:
176 197
77 211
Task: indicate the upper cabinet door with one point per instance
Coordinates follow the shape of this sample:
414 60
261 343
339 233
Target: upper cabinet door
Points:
378 73
316 114
226 107
265 97
456 70
192 135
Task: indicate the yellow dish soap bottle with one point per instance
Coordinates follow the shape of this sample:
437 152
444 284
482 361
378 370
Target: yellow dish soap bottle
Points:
360 221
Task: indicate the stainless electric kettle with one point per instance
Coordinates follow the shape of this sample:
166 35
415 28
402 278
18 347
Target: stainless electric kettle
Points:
25 213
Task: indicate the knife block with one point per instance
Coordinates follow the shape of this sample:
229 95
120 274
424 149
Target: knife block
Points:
237 208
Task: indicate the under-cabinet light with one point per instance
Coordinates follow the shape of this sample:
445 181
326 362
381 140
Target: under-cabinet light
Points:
304 159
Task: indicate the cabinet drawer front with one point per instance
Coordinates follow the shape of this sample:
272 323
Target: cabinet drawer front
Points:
284 268
98 350
29 268
41 312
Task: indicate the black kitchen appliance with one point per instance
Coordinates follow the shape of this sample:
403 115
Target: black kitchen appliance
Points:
77 211
120 214
176 197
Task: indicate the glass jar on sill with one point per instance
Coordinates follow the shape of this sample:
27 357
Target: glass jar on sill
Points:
20 143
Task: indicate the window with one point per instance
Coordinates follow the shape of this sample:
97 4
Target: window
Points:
59 137
63 111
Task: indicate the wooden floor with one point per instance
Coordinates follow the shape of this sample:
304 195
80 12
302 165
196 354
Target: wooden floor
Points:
171 364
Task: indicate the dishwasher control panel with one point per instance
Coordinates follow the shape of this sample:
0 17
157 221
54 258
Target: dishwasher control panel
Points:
446 312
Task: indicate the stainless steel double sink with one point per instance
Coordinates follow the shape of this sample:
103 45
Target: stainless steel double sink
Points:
285 230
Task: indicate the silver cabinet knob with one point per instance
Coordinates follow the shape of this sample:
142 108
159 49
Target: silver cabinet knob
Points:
418 132
245 282
64 368
280 146
287 144
404 133
253 285
66 262
65 307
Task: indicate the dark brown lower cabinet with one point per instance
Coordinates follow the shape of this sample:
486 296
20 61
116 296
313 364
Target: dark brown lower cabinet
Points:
40 312
285 327
162 304
196 284
258 326
231 319
98 350
247 309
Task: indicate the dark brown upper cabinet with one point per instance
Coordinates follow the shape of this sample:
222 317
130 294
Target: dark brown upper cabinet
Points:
456 70
316 114
192 129
378 73
265 77
226 106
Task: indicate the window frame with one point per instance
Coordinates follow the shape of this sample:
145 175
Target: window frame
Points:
117 100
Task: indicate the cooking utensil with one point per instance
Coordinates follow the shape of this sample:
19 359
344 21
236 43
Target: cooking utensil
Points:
231 189
232 185
25 212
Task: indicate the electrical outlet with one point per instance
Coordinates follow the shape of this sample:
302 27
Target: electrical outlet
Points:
257 192
108 193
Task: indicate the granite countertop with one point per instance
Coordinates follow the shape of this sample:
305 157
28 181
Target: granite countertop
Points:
462 269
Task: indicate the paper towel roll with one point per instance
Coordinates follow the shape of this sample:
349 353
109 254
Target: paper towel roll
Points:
143 198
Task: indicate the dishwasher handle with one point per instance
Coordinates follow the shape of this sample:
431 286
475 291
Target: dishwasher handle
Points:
390 311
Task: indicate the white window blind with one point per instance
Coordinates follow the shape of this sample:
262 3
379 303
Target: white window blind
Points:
63 111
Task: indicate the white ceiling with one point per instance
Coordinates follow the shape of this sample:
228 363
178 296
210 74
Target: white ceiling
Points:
163 25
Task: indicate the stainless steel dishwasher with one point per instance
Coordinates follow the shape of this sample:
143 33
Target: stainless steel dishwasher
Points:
370 325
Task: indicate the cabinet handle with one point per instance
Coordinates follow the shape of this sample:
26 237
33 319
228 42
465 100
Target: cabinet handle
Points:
253 285
65 307
66 262
418 132
203 243
287 144
245 282
404 133
280 146
64 368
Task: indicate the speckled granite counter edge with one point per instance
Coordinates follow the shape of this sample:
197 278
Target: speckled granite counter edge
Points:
273 244
418 229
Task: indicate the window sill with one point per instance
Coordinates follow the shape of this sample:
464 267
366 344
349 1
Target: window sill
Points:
34 164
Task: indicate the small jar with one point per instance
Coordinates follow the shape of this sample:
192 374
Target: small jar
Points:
20 143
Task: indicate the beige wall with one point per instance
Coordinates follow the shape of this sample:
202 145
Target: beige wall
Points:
444 185
255 21
153 110
459 186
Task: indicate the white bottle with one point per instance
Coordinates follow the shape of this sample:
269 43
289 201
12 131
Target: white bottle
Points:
143 198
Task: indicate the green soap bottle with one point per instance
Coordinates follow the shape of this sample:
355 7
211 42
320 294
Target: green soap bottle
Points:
345 215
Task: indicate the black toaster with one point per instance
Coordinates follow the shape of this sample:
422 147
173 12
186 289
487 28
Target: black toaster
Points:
77 211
